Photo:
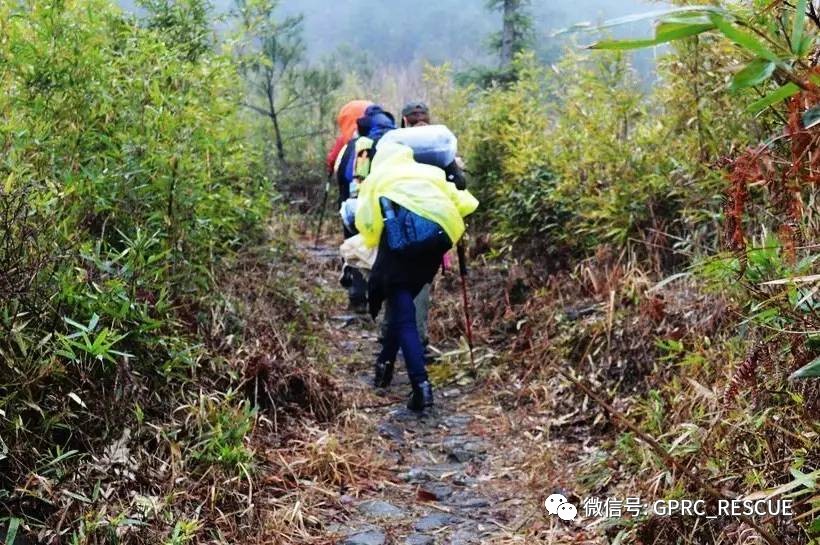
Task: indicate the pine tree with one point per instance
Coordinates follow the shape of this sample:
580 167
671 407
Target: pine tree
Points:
516 29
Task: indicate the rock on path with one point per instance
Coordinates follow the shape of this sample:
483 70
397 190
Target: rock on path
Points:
370 537
447 474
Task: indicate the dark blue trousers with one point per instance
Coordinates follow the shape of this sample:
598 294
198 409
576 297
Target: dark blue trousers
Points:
403 333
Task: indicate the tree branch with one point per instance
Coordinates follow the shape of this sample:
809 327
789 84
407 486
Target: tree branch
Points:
812 14
256 109
318 132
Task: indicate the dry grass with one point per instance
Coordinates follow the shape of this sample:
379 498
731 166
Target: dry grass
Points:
662 356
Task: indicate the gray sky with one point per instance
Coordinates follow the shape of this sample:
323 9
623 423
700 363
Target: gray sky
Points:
440 30
400 31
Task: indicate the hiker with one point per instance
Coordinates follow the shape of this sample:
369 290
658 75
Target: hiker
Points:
346 121
352 166
417 114
399 191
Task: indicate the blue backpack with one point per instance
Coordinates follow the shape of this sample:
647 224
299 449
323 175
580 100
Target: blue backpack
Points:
374 124
411 234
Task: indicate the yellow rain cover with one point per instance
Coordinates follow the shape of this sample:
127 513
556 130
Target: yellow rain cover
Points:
422 189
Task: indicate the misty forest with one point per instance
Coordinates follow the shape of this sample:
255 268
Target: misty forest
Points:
448 272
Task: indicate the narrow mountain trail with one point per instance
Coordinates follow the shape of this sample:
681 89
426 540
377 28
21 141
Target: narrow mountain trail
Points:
457 476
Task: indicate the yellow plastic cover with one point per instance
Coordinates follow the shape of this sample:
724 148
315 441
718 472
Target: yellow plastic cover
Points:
422 189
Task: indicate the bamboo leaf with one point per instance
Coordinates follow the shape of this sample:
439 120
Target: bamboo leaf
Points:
77 496
801 480
665 32
77 400
11 533
778 95
805 45
743 39
796 279
657 14
668 30
689 19
799 25
62 457
79 326
623 45
809 371
755 73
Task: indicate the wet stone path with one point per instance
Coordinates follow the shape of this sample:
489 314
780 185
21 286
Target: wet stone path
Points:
449 482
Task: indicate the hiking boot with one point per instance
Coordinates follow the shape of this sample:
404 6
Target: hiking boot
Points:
384 374
357 306
421 398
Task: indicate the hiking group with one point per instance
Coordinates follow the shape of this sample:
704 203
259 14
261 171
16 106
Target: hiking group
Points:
402 201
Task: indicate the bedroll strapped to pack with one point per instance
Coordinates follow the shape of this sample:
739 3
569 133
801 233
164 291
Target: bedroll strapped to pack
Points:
434 145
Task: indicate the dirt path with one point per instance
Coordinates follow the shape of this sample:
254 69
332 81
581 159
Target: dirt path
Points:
460 475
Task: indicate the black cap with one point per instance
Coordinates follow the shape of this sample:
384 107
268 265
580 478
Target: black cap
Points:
415 107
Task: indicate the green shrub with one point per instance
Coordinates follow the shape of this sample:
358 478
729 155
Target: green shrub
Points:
575 155
127 181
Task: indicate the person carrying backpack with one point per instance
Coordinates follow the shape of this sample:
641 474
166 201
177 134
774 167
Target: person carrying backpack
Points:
415 114
346 121
352 167
414 216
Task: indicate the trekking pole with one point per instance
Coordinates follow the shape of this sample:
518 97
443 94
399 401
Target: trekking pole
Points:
322 213
462 269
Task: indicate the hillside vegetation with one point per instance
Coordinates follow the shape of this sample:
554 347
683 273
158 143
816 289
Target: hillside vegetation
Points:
643 285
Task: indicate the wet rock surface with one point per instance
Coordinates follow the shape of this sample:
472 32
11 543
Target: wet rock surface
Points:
369 537
391 431
437 490
444 478
464 536
381 509
463 448
419 539
434 522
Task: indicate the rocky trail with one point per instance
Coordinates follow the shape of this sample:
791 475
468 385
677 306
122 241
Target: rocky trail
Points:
459 475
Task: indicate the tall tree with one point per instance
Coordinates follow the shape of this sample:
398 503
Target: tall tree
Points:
273 61
516 29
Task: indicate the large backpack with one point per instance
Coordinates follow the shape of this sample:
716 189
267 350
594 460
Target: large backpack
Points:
343 177
355 165
411 234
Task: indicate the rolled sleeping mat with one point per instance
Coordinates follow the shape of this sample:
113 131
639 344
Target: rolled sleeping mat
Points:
432 144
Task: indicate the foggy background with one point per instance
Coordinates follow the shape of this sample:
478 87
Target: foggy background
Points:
403 31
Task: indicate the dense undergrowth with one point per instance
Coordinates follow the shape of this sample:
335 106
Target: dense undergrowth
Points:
633 242
146 309
163 369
